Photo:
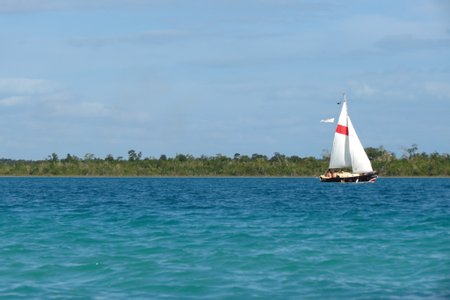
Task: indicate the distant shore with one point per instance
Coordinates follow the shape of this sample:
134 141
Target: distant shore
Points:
412 165
201 176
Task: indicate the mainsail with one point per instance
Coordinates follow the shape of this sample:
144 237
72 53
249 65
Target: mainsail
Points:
347 150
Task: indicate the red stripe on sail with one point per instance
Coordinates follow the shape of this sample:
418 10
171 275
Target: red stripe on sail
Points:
342 129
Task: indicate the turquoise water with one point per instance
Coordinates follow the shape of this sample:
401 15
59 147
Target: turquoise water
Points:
224 238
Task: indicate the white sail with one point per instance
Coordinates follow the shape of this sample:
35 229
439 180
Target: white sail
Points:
340 154
360 161
347 150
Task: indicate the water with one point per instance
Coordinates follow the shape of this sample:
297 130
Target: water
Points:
224 238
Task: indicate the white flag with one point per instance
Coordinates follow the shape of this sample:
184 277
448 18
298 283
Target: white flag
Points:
330 120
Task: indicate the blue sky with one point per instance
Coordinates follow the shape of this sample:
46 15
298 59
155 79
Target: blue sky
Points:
209 77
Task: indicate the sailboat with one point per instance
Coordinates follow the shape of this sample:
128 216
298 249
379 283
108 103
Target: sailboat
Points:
348 153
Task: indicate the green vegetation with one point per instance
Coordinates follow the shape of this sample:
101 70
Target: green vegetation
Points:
412 163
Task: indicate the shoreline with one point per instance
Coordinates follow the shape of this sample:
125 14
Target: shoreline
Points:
199 176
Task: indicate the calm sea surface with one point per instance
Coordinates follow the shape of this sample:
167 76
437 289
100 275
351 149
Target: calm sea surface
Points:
224 238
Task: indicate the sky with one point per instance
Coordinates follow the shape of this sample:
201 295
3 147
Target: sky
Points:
221 76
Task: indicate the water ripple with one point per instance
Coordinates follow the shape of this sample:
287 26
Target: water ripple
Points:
172 238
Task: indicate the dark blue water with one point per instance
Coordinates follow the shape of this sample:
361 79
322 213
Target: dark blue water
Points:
224 238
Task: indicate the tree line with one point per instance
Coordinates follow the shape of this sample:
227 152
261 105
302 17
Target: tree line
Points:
411 163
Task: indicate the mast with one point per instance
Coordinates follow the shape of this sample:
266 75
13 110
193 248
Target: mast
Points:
340 152
347 149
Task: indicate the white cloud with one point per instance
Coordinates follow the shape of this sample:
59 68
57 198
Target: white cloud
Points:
409 42
31 6
14 6
27 86
82 109
361 89
385 34
12 101
440 90
27 6
379 26
133 116
29 92
150 36
47 96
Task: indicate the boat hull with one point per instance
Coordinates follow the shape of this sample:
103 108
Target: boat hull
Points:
365 177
